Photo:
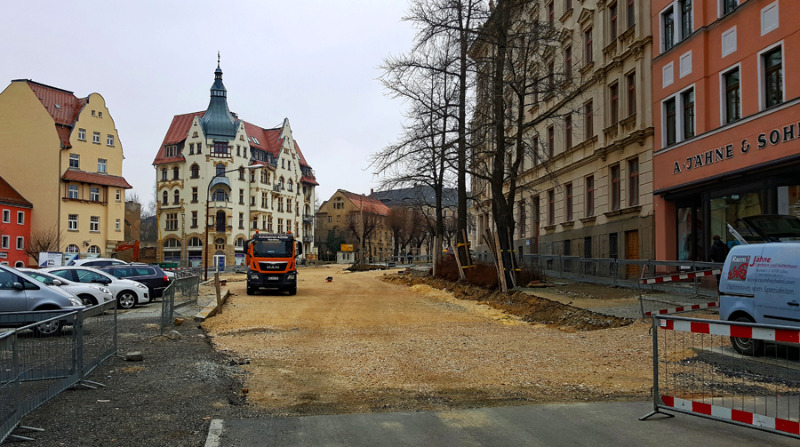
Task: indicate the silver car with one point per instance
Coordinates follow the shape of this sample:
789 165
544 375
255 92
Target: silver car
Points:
127 293
22 293
90 295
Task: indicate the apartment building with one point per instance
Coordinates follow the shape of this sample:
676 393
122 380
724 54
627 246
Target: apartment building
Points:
727 114
220 179
65 155
358 221
585 185
15 226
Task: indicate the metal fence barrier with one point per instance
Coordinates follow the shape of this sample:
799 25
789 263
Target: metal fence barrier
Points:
180 291
674 289
35 367
696 371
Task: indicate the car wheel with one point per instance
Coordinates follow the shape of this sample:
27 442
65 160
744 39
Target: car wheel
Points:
126 299
88 300
747 346
48 329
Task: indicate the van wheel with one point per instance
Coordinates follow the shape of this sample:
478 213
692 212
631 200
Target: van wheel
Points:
747 346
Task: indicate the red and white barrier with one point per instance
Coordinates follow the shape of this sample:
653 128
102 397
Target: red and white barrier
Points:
732 330
673 310
728 414
679 277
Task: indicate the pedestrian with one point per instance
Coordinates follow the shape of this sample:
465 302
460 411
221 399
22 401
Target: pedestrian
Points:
719 251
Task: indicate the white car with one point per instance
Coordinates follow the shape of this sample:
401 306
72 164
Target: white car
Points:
90 295
127 293
97 262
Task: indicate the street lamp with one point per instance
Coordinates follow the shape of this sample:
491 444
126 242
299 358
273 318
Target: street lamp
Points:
208 199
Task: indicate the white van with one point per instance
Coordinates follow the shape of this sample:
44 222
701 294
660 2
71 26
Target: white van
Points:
760 283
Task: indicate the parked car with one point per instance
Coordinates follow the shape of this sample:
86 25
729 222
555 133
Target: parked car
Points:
90 295
97 262
127 293
20 292
152 276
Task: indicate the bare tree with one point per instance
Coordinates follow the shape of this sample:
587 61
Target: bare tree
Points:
361 225
42 241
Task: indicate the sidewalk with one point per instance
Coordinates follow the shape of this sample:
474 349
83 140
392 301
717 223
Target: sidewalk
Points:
596 424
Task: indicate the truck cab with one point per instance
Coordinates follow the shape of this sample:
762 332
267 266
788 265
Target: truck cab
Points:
271 262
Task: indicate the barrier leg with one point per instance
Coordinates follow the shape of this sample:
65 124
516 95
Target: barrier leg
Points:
656 409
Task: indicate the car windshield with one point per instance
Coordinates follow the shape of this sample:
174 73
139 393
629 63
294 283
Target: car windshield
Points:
272 249
769 228
47 279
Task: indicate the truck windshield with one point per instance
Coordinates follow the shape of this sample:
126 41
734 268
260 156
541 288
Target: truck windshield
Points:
272 249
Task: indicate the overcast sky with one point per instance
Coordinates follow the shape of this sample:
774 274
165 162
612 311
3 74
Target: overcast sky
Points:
312 61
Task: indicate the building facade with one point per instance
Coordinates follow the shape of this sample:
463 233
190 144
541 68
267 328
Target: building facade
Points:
727 114
64 153
356 220
219 180
585 185
15 226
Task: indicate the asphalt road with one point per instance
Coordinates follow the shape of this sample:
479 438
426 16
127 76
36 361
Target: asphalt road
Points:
596 424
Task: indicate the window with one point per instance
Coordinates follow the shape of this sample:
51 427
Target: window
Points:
551 207
727 6
686 18
612 21
172 151
6 216
567 5
568 194
94 224
616 187
5 242
117 226
176 172
631 13
94 249
72 192
220 170
172 222
633 182
280 225
773 77
631 80
72 248
551 14
82 134
588 118
241 196
176 197
96 137
119 195
589 196
670 130
221 149
551 77
568 130
195 171
199 148
670 35
163 174
109 140
194 219
165 198
101 165
194 194
94 194
288 205
74 161
668 29
20 243
550 142
614 104
568 63
587 46
191 148
20 218
733 97
687 99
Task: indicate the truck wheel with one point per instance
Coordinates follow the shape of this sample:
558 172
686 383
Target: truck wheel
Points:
293 290
250 290
747 346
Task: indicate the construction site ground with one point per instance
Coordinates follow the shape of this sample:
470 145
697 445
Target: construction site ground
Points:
387 341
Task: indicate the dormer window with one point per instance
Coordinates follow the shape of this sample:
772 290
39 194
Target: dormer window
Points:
171 150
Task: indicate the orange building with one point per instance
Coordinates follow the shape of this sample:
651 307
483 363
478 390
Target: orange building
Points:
726 110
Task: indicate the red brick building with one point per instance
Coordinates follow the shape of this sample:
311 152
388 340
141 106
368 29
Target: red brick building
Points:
726 109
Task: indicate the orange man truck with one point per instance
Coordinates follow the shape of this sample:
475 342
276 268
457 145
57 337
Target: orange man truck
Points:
270 262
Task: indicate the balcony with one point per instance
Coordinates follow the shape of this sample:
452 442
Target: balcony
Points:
308 218
308 238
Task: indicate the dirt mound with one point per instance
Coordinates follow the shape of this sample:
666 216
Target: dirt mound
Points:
529 308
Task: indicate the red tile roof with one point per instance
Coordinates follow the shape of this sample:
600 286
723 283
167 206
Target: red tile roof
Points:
10 196
369 204
61 104
74 175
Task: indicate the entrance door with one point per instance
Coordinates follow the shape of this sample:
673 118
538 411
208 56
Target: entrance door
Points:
632 252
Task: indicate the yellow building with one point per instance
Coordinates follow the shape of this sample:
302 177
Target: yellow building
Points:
64 154
359 221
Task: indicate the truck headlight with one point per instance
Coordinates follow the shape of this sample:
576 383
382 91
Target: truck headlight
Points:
290 276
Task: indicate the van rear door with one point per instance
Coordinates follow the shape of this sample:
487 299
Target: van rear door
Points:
778 297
